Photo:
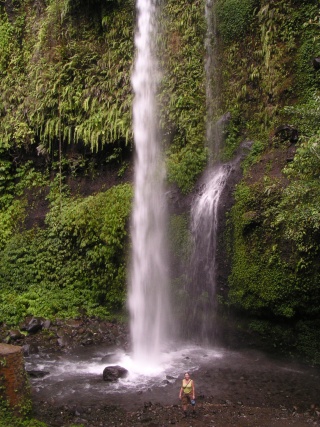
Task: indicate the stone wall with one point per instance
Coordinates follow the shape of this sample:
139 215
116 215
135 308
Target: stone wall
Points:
14 386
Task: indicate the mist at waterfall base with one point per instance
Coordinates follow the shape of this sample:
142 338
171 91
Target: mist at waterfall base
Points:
78 375
245 379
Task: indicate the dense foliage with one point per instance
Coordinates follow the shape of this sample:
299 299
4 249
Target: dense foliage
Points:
76 265
65 112
234 17
9 419
66 74
275 219
182 93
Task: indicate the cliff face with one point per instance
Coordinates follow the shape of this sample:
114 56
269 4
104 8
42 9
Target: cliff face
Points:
271 90
66 154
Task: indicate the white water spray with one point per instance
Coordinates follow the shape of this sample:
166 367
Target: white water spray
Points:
204 227
205 221
148 291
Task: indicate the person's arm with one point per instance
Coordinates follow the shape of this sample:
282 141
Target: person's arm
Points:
193 391
180 394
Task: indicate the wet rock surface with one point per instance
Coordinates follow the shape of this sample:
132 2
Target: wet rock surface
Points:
42 336
113 373
243 389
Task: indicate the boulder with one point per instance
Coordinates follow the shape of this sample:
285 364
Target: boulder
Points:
286 133
316 63
113 373
109 358
64 340
30 349
15 334
34 325
37 374
46 324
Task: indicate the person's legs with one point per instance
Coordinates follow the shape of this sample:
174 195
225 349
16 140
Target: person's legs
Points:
185 402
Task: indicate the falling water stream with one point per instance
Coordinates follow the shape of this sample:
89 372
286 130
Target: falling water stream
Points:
205 208
204 227
213 138
148 291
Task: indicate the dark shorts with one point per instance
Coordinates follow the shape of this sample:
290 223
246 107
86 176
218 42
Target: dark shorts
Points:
185 399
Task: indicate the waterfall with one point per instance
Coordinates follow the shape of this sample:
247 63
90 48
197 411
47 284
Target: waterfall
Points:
213 130
204 227
201 311
205 221
148 299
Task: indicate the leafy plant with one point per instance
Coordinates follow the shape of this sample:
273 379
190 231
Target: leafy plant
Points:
185 166
78 262
182 94
6 33
234 17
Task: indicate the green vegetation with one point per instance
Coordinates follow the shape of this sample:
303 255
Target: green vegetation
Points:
186 165
274 223
8 418
234 17
182 93
76 264
70 76
65 113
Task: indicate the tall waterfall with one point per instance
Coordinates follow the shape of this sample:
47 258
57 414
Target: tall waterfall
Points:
148 288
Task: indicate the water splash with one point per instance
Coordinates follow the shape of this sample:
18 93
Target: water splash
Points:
148 291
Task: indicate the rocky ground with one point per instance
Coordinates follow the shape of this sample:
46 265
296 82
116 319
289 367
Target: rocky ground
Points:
248 389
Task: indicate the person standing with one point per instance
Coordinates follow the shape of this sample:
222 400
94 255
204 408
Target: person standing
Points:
187 394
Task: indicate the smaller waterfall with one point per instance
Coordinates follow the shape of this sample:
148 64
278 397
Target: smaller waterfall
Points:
204 226
200 313
148 290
